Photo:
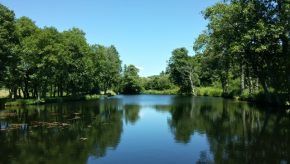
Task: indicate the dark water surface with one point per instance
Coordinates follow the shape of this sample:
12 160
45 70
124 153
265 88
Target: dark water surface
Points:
145 129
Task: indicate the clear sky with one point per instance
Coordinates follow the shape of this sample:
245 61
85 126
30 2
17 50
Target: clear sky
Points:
144 31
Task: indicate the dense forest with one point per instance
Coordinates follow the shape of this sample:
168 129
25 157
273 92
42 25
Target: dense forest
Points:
244 52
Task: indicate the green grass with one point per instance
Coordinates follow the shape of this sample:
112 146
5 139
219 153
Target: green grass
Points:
201 91
22 102
164 92
209 91
93 97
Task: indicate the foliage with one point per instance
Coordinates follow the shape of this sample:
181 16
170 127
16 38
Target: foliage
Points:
8 39
182 71
243 56
108 66
39 62
158 82
131 82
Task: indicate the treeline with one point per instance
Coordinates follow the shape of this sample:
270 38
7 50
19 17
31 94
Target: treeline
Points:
245 50
39 62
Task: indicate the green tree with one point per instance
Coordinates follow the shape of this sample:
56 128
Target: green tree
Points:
37 62
158 82
18 72
131 82
253 53
76 50
8 42
107 66
182 71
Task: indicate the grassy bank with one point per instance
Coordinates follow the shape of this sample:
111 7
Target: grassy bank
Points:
22 102
259 97
262 98
163 92
209 91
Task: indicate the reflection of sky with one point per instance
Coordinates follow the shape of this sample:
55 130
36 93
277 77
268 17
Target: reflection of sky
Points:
145 100
150 140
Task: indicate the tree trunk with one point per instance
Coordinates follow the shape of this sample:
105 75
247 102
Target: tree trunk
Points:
242 78
256 88
192 88
250 85
224 82
51 92
38 94
23 92
19 92
265 87
15 92
54 90
26 94
61 90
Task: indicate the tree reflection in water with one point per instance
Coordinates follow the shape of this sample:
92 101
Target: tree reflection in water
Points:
131 113
236 132
91 129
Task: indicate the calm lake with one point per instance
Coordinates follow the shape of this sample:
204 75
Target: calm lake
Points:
145 129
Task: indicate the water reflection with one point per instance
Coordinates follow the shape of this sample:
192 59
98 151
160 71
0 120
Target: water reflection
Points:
234 132
92 129
131 113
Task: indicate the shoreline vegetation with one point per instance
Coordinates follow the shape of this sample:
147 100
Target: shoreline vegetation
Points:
258 98
233 58
23 102
6 101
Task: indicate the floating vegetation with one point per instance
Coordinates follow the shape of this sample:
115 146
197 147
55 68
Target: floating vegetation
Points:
7 114
34 124
49 124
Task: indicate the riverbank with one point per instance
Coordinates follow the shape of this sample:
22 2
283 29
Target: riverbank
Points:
23 102
161 92
259 98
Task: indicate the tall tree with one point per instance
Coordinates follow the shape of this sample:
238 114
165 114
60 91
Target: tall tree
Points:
107 65
8 40
76 50
182 71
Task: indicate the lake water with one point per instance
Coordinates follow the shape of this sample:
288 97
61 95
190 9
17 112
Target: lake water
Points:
145 129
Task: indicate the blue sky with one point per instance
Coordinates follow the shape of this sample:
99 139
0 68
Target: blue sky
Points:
144 31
